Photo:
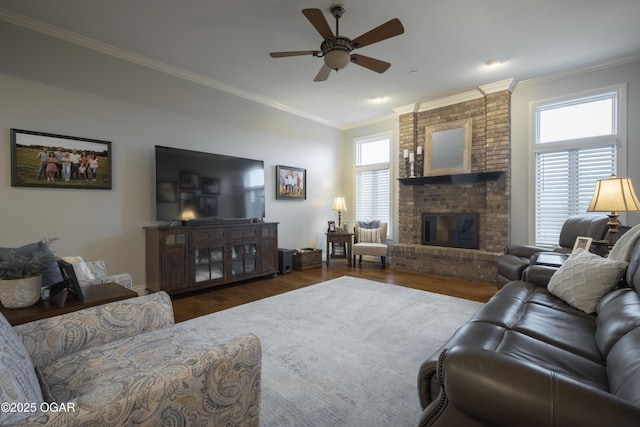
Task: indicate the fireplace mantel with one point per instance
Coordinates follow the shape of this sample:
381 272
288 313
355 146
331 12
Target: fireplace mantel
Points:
455 179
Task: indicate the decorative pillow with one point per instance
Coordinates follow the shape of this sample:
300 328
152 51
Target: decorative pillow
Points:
369 224
584 278
366 235
82 271
51 275
19 383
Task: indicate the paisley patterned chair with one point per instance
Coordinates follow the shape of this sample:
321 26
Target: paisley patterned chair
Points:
95 273
126 363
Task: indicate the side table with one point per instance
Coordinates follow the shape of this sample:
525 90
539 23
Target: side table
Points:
66 302
340 237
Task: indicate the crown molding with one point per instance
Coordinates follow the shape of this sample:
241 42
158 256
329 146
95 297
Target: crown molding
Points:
451 100
578 71
411 108
369 122
508 84
107 49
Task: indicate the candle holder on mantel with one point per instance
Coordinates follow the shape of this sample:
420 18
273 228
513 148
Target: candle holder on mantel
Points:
407 168
412 162
419 164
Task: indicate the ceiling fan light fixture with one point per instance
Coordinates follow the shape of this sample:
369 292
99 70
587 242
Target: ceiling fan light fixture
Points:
337 59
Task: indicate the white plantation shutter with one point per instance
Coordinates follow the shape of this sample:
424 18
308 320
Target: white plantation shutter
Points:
565 181
372 195
576 144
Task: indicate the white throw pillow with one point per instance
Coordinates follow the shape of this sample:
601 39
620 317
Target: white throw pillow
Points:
585 278
82 271
369 235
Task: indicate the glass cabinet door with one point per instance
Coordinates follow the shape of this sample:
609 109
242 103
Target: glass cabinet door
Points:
209 264
243 259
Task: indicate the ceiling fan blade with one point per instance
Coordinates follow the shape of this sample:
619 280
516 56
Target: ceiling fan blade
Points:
323 74
317 19
294 53
370 63
382 32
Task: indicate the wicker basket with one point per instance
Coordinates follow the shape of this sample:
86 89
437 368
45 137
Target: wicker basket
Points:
306 258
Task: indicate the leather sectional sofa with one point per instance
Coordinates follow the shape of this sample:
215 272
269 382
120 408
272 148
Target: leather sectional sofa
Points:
513 264
528 358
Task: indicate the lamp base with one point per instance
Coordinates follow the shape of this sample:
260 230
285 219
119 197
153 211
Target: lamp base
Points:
613 229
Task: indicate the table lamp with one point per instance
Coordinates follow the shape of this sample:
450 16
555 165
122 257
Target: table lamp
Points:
614 195
339 205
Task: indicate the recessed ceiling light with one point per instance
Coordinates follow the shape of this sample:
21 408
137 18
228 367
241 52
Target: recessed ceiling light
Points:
377 99
495 62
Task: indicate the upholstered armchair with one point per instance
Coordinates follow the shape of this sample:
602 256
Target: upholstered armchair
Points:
370 238
95 272
126 363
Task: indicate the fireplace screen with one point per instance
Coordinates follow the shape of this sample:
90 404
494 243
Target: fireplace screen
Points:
452 230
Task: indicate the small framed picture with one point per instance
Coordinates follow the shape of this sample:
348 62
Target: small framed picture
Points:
291 183
69 275
582 243
332 226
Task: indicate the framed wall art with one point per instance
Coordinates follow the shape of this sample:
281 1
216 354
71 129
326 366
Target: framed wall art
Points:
291 183
41 159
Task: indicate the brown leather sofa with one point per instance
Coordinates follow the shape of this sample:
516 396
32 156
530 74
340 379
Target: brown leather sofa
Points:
512 265
527 358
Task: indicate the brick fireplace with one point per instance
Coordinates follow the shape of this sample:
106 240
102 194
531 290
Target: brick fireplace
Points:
484 199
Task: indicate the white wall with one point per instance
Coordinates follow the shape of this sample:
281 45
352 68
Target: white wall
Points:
522 207
51 86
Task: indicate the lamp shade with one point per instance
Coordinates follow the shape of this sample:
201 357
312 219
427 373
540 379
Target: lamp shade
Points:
337 59
614 195
339 204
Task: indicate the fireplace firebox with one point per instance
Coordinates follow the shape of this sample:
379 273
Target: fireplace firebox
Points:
455 230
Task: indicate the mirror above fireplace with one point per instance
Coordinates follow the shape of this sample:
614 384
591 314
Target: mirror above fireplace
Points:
447 148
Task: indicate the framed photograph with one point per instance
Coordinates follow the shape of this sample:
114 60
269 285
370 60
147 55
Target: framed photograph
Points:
69 275
332 226
291 183
58 161
582 243
210 185
167 192
207 206
189 181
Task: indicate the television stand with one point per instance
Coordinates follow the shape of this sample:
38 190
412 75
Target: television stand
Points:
198 256
216 221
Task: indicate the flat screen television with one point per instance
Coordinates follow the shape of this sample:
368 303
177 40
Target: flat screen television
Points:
197 186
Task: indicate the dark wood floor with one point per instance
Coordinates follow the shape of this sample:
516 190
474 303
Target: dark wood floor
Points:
188 306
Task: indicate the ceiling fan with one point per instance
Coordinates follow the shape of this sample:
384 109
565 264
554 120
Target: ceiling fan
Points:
336 49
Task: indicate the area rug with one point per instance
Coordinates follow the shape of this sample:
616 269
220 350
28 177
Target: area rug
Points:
345 352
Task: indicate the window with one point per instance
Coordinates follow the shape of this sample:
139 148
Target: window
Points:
372 178
576 143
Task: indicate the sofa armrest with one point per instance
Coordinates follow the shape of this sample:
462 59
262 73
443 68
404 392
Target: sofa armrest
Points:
497 390
524 251
99 270
539 275
122 279
49 339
